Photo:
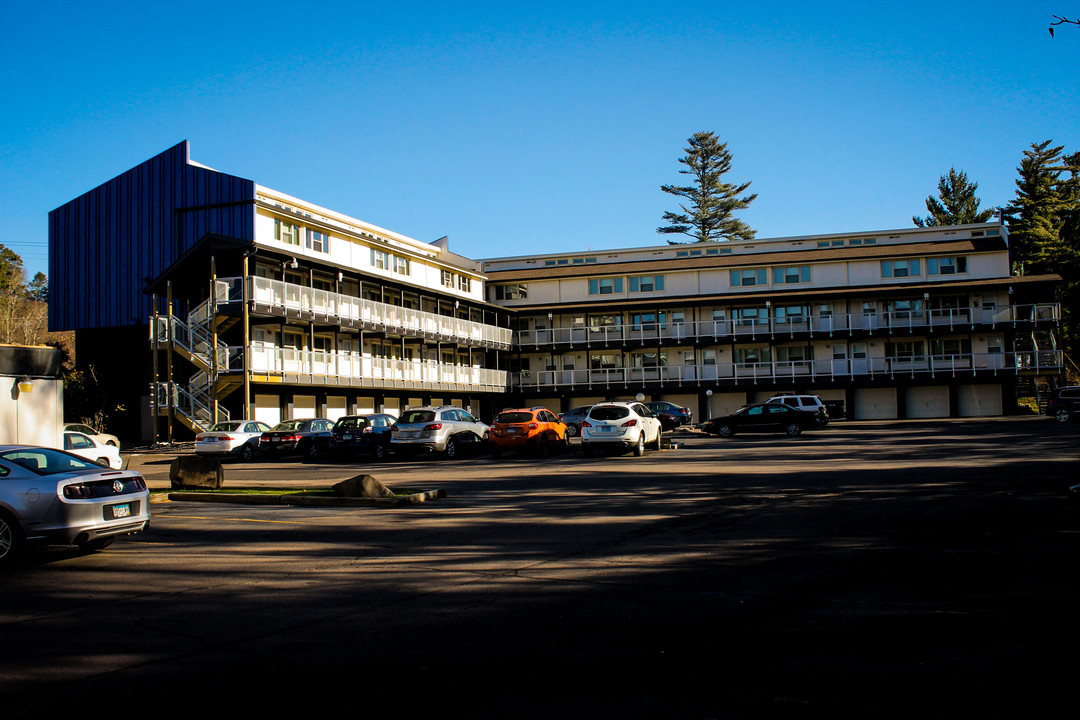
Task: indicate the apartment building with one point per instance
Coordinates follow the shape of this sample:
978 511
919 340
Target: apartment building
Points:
198 296
918 322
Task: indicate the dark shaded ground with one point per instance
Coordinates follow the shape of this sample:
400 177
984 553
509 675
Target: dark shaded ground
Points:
918 568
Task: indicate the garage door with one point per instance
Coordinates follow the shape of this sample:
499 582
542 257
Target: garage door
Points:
875 404
980 400
927 402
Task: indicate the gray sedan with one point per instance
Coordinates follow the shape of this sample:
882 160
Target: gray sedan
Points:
52 497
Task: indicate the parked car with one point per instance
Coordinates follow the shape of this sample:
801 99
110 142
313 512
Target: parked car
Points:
810 403
626 424
308 437
238 438
1064 404
445 429
87 447
527 428
572 419
362 434
53 497
102 437
668 421
764 417
684 414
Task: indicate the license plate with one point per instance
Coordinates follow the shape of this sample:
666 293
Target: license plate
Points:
511 431
606 428
346 437
409 435
277 439
121 511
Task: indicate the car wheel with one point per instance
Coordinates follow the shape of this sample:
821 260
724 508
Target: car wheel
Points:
564 444
571 431
793 429
659 435
1062 415
246 453
110 442
312 452
725 430
542 445
10 539
451 448
96 544
104 462
379 452
639 446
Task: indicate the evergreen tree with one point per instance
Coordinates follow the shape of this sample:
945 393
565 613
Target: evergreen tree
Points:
708 218
1038 213
958 204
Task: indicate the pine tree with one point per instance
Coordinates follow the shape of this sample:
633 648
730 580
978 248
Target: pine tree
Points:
708 218
958 204
1037 214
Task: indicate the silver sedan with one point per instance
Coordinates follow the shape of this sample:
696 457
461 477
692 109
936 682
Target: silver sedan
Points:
52 497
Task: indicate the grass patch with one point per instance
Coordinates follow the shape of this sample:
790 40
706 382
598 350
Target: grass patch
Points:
323 492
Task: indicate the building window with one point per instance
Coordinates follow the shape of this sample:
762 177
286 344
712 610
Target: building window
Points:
648 321
380 259
747 278
900 268
604 323
647 283
318 241
747 317
792 314
946 266
447 279
511 292
788 275
751 355
402 266
951 346
464 283
708 357
794 354
286 232
605 286
906 350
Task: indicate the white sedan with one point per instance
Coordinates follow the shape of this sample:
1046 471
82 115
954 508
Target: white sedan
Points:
102 437
625 424
233 437
83 445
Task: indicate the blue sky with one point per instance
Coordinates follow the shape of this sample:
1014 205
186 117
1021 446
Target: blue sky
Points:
536 128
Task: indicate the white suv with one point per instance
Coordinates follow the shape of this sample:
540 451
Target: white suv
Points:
809 403
628 424
446 429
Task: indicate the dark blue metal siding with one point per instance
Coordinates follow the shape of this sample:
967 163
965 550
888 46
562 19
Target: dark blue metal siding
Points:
105 245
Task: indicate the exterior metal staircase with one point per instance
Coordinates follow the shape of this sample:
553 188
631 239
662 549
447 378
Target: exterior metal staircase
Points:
193 403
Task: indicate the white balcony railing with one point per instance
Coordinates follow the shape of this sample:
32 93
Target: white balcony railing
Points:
809 370
332 307
338 368
823 325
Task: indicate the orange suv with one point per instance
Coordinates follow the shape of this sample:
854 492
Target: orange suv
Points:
532 428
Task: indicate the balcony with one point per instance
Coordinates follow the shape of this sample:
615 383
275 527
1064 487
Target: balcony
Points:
313 367
275 297
802 371
809 326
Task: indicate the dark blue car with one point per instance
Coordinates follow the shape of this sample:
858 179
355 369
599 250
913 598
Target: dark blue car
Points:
362 435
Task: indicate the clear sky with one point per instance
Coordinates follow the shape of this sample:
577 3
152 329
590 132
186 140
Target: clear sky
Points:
521 127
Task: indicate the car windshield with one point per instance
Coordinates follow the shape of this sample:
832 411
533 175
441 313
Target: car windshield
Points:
514 417
609 412
44 461
225 427
416 416
289 425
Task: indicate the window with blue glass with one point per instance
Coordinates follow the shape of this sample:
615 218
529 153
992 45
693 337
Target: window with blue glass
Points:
646 283
748 278
605 286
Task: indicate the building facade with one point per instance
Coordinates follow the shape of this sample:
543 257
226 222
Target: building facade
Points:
198 296
900 323
261 305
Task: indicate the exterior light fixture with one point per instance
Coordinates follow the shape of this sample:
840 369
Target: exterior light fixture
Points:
25 384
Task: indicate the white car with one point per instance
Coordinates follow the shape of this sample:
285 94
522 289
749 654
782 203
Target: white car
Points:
234 437
88 447
101 437
627 424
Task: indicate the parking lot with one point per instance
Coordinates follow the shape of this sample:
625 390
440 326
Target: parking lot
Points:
870 569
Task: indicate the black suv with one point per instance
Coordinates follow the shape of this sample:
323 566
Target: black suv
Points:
1064 404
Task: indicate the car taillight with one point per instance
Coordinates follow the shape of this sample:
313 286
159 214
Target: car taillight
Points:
227 437
433 426
533 426
585 423
366 430
291 438
629 423
77 492
394 428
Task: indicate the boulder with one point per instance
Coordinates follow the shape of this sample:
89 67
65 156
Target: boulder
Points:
193 471
363 486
